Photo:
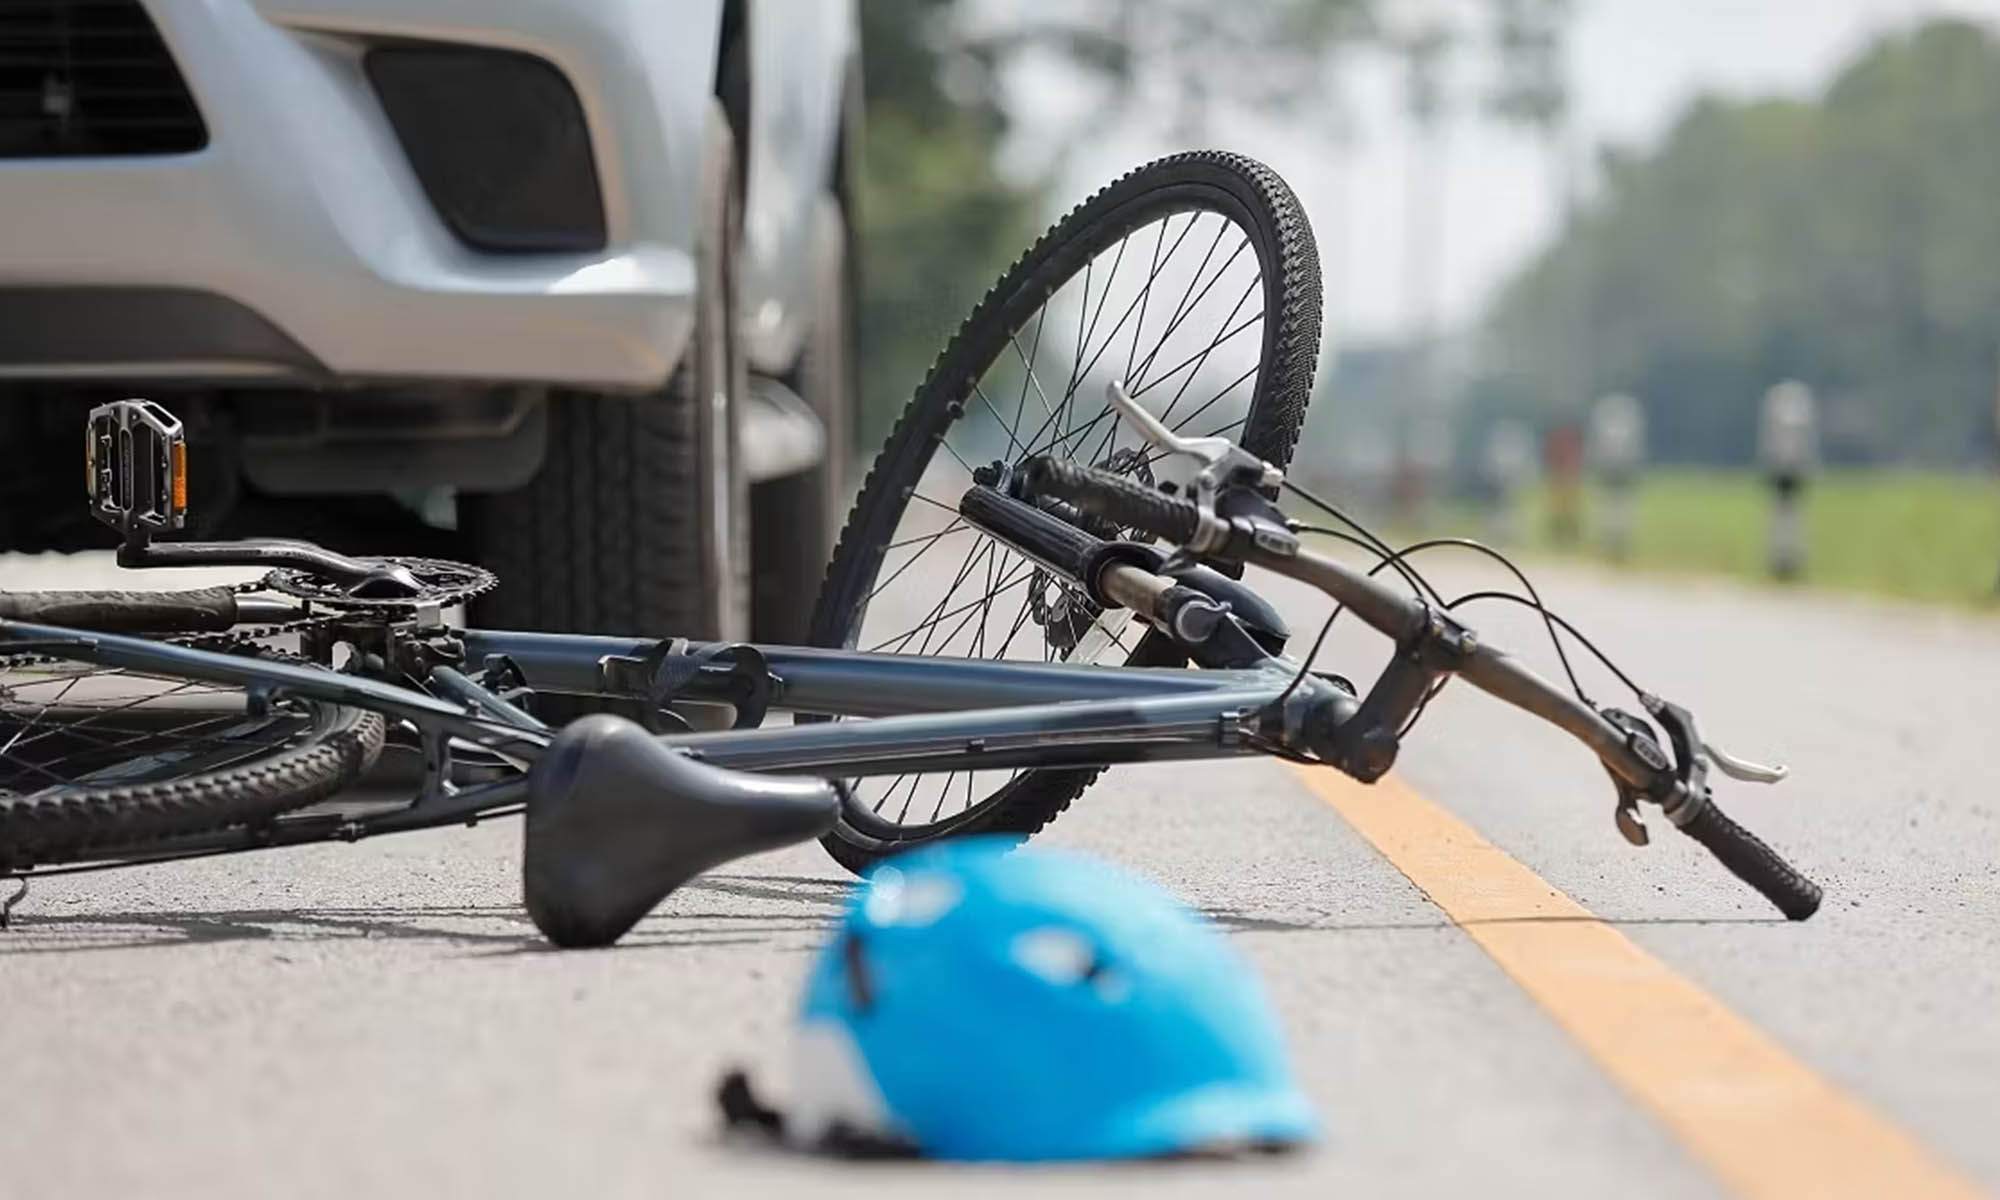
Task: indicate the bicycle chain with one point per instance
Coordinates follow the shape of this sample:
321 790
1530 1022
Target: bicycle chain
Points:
234 640
245 637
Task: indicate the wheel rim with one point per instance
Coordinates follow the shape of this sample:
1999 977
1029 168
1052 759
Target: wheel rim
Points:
1176 307
70 726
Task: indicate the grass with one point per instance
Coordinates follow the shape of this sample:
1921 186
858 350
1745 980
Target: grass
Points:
1920 536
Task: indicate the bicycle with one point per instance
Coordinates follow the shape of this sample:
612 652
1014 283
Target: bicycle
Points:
140 728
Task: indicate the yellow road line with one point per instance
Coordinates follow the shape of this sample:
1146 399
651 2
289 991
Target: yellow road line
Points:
1762 1121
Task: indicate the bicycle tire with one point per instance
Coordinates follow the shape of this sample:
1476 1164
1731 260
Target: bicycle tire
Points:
1240 190
337 743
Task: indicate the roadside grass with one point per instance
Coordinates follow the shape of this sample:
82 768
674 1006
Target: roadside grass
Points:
1931 537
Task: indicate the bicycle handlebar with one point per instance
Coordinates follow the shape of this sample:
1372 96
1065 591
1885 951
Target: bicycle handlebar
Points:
1486 667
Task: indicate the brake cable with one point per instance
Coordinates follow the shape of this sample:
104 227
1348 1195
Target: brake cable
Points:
1366 539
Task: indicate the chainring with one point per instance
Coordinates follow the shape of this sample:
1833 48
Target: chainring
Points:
441 581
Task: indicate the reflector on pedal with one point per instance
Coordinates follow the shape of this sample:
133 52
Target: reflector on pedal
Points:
135 457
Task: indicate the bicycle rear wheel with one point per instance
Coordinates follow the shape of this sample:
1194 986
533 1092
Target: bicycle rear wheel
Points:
94 757
1195 281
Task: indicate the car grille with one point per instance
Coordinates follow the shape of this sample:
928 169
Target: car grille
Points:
90 77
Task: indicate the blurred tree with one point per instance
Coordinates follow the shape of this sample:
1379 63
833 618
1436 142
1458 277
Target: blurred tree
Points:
937 219
1849 242
1530 86
1191 61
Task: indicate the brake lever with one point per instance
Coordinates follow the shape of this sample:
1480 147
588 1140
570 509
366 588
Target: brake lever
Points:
1223 461
1695 753
1742 768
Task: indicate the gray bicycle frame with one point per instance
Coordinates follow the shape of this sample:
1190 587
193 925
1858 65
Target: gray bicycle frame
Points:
925 714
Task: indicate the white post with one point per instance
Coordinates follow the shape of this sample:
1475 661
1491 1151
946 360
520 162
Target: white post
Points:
1617 449
1431 458
1507 466
1788 447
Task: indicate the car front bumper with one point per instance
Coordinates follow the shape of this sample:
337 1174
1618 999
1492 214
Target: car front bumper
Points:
303 220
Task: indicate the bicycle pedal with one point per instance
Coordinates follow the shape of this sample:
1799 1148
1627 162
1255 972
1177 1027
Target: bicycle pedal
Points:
135 457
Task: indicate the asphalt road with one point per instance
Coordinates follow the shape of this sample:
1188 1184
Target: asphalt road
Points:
381 1019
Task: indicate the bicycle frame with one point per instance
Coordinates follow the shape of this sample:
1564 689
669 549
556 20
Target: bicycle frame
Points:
924 715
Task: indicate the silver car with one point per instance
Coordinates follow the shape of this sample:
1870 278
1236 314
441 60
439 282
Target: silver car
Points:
570 276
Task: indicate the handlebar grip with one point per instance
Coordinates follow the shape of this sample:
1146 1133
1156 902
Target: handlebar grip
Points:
1028 529
1115 497
1755 863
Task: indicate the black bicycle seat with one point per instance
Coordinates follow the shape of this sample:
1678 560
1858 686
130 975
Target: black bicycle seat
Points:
616 821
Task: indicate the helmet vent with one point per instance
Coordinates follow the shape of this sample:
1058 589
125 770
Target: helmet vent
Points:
1059 955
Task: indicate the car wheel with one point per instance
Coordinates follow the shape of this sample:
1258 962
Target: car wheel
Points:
638 521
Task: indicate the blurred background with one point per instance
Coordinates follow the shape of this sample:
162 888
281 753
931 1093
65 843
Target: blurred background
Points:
1705 286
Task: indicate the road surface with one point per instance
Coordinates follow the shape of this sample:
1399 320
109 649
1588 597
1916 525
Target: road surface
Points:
382 1020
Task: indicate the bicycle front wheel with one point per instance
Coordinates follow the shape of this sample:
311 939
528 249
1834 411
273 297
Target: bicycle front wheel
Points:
1193 280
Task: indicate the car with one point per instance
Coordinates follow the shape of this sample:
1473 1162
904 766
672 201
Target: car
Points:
569 278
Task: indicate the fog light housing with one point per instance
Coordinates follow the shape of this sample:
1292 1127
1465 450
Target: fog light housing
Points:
498 141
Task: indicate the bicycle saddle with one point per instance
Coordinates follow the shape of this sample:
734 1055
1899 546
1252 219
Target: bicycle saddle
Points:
616 821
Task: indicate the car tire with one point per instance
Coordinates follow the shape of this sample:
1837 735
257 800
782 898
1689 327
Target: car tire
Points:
42 506
638 520
794 518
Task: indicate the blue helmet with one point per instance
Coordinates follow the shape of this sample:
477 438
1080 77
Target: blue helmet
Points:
983 1003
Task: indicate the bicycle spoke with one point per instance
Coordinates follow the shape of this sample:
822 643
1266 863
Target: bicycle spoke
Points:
961 461
1020 619
1075 375
1012 441
1182 313
1028 361
123 704
932 617
126 727
1189 298
1197 360
99 744
39 715
957 526
907 563
1102 296
932 621
1200 357
980 614
1212 400
914 780
1146 291
985 599
1137 303
182 737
